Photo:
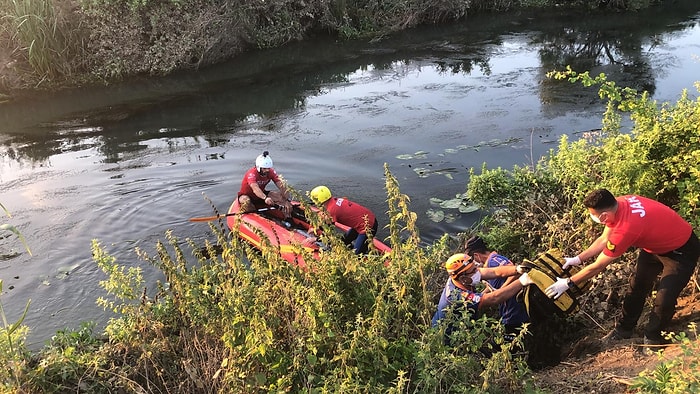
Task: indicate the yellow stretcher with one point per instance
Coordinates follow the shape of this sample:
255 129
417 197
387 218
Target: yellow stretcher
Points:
546 268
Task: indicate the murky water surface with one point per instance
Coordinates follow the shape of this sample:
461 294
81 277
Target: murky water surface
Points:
126 163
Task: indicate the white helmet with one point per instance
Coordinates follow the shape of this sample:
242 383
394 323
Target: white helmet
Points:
263 161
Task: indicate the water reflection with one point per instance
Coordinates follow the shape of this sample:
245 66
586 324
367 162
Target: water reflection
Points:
217 103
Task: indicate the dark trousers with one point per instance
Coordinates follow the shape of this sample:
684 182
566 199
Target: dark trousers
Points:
676 269
358 241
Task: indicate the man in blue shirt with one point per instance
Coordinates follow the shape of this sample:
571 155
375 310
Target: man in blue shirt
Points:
464 274
513 313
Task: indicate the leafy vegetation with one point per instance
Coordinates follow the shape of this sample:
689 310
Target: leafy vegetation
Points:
12 350
539 207
240 320
678 375
45 36
244 321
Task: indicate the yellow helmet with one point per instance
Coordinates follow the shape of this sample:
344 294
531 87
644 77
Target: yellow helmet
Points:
459 263
320 194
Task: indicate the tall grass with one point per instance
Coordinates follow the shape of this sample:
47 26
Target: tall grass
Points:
242 320
12 349
40 33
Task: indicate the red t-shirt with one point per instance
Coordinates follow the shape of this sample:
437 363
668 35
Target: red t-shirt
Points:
253 176
350 214
645 223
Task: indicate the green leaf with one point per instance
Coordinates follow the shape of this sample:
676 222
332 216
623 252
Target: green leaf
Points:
435 215
16 325
6 211
312 359
451 204
468 208
9 227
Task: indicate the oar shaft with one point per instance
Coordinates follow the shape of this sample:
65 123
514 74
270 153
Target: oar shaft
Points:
210 218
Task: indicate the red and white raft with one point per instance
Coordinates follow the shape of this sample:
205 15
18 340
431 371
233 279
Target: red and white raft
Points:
290 236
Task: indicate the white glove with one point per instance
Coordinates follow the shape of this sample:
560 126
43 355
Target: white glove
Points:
557 288
525 280
570 262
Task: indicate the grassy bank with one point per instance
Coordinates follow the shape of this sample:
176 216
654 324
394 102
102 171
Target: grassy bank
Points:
48 44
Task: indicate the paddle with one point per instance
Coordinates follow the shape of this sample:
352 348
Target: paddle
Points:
210 218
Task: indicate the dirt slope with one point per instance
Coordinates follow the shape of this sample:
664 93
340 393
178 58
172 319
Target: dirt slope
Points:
590 367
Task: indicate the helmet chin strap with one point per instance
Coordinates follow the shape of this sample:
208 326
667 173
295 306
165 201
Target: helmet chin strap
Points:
460 285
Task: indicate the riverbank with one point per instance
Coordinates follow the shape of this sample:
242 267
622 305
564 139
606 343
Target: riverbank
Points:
50 45
211 325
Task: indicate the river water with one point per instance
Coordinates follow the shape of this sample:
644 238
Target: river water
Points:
126 163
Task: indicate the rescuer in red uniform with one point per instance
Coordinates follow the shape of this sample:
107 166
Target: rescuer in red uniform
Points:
361 220
667 246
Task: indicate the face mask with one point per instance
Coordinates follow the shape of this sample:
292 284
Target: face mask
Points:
595 218
476 277
476 263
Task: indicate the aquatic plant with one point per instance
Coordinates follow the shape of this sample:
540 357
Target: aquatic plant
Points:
10 228
43 36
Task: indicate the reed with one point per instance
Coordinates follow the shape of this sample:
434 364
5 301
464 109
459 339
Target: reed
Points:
36 31
39 35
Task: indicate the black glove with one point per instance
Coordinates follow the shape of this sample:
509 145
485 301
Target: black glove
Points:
525 266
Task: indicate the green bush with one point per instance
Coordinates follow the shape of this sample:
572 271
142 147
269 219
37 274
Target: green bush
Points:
680 374
347 323
539 207
70 359
13 352
657 158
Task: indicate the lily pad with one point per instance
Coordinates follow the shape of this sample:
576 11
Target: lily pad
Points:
425 172
450 218
468 207
435 215
435 201
11 255
420 154
64 271
422 172
451 204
